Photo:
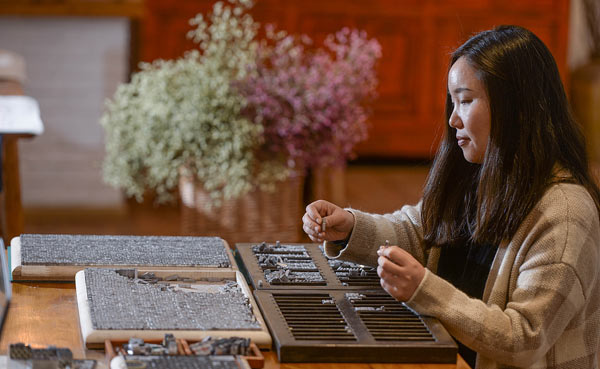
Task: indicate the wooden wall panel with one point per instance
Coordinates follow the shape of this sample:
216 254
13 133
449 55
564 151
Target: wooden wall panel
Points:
417 37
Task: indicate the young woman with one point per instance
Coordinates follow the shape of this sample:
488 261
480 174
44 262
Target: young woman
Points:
504 248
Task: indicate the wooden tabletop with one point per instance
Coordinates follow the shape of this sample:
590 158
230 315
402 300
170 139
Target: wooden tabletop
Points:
44 314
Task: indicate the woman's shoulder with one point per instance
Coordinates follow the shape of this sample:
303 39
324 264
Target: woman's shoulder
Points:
564 227
565 220
568 198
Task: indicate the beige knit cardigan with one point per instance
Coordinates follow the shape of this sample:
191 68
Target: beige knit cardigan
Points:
541 303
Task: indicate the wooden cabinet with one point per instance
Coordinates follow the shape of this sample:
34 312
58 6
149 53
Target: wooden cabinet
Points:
417 37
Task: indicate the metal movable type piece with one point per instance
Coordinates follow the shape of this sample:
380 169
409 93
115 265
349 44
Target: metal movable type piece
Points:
170 344
136 346
129 273
20 351
156 349
50 357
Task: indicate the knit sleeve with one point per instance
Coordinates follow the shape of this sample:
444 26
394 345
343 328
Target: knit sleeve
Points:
402 228
548 284
518 335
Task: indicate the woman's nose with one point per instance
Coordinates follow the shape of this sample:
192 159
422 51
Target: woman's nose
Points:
454 120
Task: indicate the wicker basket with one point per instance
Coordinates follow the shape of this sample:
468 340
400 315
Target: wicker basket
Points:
256 217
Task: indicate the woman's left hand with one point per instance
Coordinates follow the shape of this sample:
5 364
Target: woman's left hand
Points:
399 271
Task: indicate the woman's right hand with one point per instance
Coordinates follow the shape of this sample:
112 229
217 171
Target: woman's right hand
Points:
339 222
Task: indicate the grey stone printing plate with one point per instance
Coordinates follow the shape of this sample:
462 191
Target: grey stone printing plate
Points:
115 306
60 256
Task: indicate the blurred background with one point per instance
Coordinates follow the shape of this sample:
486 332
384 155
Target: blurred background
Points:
77 52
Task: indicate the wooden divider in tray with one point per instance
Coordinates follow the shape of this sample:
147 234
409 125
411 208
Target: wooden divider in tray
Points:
53 257
95 338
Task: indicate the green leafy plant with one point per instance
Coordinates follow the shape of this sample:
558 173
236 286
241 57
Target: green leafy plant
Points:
184 117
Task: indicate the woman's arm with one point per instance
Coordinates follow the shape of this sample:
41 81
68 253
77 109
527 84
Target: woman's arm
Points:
544 295
370 231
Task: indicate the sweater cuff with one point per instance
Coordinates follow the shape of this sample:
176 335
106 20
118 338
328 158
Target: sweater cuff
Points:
432 294
415 294
334 249
357 249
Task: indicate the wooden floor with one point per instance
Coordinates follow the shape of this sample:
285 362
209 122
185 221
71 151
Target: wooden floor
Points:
373 188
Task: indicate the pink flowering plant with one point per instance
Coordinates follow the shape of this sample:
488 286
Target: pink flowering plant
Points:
312 102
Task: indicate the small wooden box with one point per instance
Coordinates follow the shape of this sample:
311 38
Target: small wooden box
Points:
256 360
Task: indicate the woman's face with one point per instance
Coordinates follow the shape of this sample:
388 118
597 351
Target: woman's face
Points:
471 112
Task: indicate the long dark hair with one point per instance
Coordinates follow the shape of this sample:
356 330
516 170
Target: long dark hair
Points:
532 129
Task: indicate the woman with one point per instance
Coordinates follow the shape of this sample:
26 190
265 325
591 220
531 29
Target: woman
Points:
503 249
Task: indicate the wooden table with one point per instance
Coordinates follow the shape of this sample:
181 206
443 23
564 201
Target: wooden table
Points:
44 314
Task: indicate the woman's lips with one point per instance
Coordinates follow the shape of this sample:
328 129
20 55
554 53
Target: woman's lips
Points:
462 141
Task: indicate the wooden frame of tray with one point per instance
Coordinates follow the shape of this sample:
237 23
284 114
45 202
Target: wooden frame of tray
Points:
94 338
337 332
67 272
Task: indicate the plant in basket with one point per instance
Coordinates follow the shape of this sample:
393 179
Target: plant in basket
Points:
184 117
313 102
238 118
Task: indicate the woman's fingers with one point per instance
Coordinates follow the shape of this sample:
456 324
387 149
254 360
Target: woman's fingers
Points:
317 209
389 266
399 271
310 224
312 233
395 254
326 221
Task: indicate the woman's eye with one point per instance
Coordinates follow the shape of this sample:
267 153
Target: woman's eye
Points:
466 101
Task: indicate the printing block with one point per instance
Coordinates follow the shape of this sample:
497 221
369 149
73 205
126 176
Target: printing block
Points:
50 257
192 304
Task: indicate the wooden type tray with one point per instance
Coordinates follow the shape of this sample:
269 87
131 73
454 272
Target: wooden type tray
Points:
332 280
255 360
94 338
330 326
67 273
